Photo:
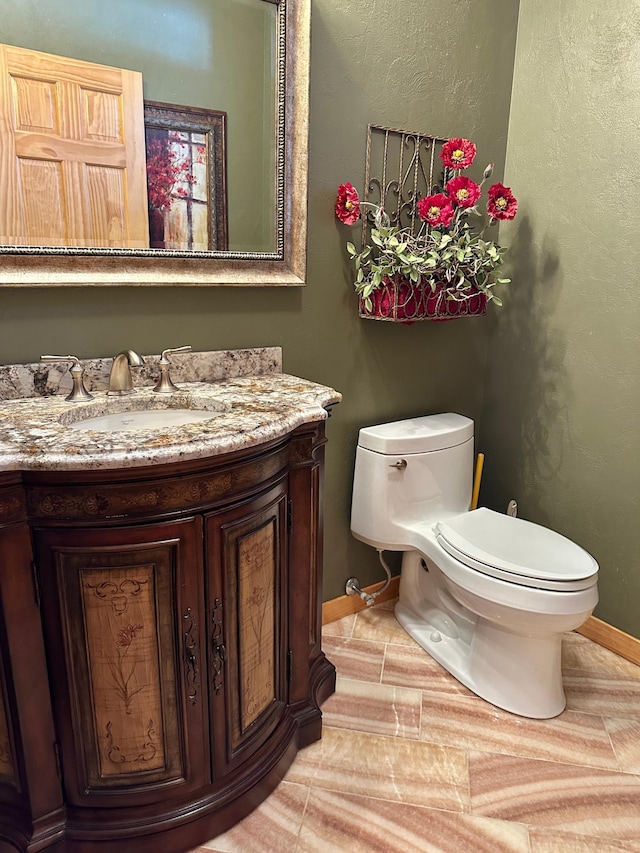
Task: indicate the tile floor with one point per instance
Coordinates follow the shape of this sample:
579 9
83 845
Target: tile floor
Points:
411 761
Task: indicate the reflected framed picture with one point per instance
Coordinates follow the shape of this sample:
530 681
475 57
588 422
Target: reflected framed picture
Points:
186 177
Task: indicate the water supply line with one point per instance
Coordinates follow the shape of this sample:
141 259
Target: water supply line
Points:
352 586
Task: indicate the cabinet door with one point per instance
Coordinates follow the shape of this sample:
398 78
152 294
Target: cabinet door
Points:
122 619
246 553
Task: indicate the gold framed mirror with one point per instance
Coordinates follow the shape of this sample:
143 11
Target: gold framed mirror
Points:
266 242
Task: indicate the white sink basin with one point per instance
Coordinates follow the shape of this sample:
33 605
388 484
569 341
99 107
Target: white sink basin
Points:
145 419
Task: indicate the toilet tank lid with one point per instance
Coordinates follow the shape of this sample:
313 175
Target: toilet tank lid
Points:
417 435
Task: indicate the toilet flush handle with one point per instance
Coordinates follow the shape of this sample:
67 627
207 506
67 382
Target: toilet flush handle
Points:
401 464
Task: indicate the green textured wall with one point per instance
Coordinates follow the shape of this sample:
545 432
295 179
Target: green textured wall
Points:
407 65
560 419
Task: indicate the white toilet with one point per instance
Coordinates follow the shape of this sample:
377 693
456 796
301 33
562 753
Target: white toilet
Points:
487 595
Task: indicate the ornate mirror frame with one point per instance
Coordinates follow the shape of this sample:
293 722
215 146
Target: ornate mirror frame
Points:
286 267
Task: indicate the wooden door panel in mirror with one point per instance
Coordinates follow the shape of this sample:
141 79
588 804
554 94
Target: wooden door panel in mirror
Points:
72 169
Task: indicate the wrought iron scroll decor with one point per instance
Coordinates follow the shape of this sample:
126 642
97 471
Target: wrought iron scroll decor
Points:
400 168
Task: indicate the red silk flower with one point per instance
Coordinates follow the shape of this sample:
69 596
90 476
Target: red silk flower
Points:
463 191
458 153
436 209
347 204
502 203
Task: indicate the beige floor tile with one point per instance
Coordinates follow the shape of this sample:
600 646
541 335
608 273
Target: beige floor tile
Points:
580 653
471 723
358 659
598 693
418 763
273 826
206 850
543 841
567 797
341 628
344 823
625 737
382 626
387 605
395 769
377 708
411 666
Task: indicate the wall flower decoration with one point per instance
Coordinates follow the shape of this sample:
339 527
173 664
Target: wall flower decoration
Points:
463 191
436 209
347 204
502 203
445 254
458 153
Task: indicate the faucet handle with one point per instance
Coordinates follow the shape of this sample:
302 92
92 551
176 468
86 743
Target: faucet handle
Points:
163 357
78 392
165 385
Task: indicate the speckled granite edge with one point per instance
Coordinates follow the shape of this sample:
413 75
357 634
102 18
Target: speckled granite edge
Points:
36 433
43 379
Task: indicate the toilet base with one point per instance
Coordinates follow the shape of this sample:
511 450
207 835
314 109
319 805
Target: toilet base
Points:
520 674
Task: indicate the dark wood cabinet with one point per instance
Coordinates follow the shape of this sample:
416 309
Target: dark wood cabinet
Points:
172 663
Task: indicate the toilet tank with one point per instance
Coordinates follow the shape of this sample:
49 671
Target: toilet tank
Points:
436 482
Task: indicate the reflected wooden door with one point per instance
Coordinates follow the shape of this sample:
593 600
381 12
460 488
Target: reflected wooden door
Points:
72 153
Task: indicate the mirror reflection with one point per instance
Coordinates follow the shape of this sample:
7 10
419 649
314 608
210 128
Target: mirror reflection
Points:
147 125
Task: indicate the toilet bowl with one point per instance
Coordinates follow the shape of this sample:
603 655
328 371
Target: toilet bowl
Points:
487 595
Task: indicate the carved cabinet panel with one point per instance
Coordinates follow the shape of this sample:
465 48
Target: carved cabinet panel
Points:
122 624
247 545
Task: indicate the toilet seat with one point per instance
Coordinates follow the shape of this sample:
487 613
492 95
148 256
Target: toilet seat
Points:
516 551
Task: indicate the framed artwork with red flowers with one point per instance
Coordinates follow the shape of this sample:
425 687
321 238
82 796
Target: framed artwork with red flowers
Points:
186 177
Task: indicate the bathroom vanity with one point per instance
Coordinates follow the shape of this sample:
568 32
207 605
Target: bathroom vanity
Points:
160 594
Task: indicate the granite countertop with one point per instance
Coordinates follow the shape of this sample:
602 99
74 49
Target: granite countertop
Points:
247 410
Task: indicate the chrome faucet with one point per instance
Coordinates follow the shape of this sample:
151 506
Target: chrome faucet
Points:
120 381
